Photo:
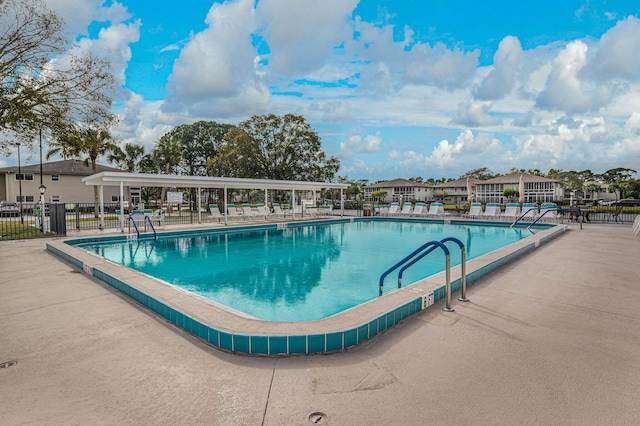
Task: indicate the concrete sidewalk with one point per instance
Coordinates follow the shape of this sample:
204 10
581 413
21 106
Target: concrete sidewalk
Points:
553 338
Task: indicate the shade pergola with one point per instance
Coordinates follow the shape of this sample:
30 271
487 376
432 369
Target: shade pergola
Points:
123 179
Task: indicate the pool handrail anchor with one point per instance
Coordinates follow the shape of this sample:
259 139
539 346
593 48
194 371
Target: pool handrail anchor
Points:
463 267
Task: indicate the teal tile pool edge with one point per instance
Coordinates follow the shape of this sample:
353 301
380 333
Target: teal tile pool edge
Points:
294 344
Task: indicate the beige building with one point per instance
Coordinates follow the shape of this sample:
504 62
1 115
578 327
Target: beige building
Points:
455 192
62 179
399 190
536 189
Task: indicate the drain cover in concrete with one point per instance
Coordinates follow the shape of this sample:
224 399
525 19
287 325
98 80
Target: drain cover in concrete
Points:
8 364
318 418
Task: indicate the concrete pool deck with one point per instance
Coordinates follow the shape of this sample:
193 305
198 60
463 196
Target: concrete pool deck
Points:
551 338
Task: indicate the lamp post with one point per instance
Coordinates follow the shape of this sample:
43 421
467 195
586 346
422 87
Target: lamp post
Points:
41 155
42 189
20 183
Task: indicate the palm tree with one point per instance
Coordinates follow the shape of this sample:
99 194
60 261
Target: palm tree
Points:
169 152
90 140
128 157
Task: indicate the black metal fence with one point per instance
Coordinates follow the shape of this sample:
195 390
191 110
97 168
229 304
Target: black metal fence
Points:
26 222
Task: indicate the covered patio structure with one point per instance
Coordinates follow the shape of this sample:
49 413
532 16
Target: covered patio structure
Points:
123 179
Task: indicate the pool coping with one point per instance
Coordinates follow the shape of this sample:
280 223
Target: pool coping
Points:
228 331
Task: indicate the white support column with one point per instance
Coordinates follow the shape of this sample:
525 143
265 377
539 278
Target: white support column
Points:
121 206
266 197
293 204
225 205
101 192
341 202
199 198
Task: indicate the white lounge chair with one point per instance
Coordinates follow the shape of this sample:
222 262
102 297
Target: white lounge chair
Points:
393 209
491 211
233 212
248 212
511 211
407 209
475 210
635 228
277 210
263 210
215 213
158 218
436 209
549 210
326 210
420 209
311 211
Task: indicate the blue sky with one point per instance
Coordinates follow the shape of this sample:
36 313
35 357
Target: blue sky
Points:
396 88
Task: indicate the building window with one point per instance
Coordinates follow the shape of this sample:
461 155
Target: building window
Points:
55 178
24 176
55 198
115 198
26 199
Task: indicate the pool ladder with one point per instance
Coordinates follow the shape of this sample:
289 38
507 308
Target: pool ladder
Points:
147 219
559 210
423 251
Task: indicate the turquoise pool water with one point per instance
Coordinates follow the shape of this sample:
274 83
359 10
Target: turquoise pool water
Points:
300 273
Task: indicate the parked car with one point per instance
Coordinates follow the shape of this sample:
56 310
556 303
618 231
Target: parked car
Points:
9 209
628 202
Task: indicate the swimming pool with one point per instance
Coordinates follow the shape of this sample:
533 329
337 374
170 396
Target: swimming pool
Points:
235 332
300 273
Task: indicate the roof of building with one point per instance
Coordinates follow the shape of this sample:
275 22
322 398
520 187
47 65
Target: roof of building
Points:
182 181
459 183
397 183
514 178
63 167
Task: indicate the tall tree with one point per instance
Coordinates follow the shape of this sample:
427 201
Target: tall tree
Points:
274 147
618 180
127 157
482 173
570 180
633 190
200 143
168 152
41 82
89 140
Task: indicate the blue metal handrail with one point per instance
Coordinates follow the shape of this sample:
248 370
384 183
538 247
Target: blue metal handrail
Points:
463 271
435 246
548 209
408 258
148 219
132 220
523 215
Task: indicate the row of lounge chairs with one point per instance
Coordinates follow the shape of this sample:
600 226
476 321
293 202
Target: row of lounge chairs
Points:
512 211
492 211
408 209
262 211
